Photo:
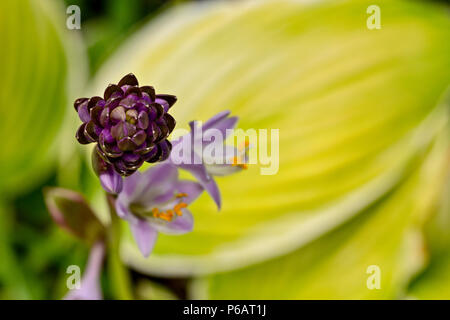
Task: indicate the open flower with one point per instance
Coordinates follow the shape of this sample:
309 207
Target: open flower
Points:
157 201
90 283
130 125
203 166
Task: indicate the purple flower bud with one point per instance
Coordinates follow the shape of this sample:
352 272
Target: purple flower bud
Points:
130 125
71 211
110 180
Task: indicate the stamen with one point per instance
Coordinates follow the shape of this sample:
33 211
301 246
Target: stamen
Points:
155 212
181 195
178 208
169 214
165 216
244 145
236 163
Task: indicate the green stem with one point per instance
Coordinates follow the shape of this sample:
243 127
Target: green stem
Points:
118 273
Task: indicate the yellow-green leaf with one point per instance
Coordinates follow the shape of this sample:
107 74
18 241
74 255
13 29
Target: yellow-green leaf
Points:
40 63
354 107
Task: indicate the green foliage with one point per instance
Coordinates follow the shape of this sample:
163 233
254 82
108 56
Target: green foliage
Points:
350 104
363 143
34 90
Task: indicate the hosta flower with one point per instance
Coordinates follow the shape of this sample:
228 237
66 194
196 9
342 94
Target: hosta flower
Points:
157 201
90 283
130 124
226 159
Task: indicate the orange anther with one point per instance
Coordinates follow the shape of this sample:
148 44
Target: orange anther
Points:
181 195
155 212
178 208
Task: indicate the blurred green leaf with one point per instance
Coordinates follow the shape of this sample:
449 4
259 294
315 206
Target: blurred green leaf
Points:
335 266
149 290
34 88
434 281
351 104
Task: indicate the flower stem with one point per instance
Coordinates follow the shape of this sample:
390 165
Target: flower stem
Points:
119 275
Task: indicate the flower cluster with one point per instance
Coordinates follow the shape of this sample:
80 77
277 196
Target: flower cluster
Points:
131 125
157 201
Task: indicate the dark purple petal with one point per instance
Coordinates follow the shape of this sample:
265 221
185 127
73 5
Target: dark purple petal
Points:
104 117
118 131
93 102
80 135
112 88
139 137
95 114
143 120
158 109
165 147
153 132
91 131
144 149
129 79
150 91
170 122
118 114
164 131
152 113
133 91
126 144
168 99
78 102
83 112
110 150
152 155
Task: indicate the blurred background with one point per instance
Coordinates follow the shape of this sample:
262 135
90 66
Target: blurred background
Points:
364 143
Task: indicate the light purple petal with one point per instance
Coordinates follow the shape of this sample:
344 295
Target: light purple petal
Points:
213 189
198 171
223 126
191 188
161 199
90 283
156 181
182 224
122 207
222 169
215 119
145 236
111 181
130 183
206 181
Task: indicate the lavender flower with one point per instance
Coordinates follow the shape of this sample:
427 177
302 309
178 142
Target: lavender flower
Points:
90 283
130 125
156 201
203 168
